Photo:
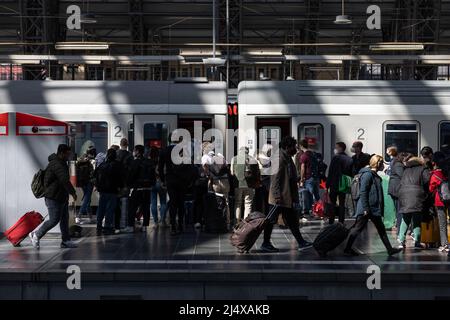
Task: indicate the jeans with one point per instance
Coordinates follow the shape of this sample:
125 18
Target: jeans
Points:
360 225
442 216
312 185
106 208
58 213
139 198
334 195
87 196
416 219
291 220
243 196
157 190
398 215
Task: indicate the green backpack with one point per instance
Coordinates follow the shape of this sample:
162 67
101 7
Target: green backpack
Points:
345 184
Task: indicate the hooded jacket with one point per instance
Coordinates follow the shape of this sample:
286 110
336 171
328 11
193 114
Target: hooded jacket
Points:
437 177
57 180
370 194
413 190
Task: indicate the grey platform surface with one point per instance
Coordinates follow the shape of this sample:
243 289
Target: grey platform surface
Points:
199 265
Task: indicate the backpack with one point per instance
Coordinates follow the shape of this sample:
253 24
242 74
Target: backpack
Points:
147 176
37 184
345 184
444 191
104 176
355 186
83 172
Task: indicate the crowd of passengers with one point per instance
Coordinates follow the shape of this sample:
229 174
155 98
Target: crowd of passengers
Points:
135 186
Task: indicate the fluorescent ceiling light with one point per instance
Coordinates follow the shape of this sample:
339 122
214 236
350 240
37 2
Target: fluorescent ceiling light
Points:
440 62
324 68
79 62
343 18
263 52
199 52
130 62
325 61
81 46
25 61
396 46
214 61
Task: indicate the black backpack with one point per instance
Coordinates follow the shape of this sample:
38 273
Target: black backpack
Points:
147 175
37 184
355 186
104 176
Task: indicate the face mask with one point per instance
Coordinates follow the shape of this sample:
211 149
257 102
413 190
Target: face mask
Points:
336 151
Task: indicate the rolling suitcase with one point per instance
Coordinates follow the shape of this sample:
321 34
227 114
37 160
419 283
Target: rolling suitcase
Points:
248 230
429 232
20 230
330 238
216 213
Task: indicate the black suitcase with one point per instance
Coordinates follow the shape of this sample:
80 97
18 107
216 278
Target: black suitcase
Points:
330 237
216 213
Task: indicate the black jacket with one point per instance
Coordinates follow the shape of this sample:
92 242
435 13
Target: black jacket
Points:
370 194
359 163
142 173
413 191
170 173
340 164
112 173
57 180
395 177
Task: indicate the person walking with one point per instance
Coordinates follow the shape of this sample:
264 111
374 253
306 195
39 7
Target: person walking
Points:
309 176
284 194
370 206
57 190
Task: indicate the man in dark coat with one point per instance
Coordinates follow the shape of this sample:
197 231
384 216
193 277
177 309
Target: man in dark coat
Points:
57 190
413 193
370 206
340 164
360 159
284 194
396 168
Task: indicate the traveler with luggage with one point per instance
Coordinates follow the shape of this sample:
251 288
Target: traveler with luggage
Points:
436 180
309 176
109 180
158 191
85 171
176 178
340 165
395 172
57 190
141 179
246 171
284 194
412 194
359 159
126 158
370 206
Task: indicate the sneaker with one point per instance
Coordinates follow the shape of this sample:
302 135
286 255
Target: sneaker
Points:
303 220
268 247
197 225
418 245
128 230
34 239
304 245
68 245
350 253
78 221
394 251
442 248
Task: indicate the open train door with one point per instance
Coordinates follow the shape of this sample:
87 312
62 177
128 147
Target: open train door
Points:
153 130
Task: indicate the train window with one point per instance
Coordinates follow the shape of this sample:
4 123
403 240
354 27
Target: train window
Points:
403 135
90 134
155 135
313 132
444 134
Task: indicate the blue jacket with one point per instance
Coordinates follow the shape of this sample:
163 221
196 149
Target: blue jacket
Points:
370 194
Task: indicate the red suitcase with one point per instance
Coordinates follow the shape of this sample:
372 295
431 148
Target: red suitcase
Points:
20 230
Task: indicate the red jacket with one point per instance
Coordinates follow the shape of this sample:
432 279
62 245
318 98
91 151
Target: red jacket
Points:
434 185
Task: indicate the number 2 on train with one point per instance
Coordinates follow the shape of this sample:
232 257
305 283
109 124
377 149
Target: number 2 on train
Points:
361 134
118 131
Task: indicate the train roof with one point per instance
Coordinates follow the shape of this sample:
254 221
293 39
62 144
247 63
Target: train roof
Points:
350 92
112 93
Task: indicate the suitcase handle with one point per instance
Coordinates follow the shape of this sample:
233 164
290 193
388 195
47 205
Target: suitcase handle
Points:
272 212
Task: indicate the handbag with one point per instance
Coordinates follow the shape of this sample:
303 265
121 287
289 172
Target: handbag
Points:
345 184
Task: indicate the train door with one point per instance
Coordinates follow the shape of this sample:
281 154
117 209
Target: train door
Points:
153 130
188 124
274 129
313 133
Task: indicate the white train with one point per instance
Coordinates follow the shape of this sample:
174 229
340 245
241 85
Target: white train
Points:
409 114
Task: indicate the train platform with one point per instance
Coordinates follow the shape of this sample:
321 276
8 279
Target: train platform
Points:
196 265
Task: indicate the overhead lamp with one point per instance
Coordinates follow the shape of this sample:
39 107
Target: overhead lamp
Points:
263 52
324 68
343 18
88 18
439 62
96 62
199 52
396 46
319 61
25 61
81 46
140 62
214 61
